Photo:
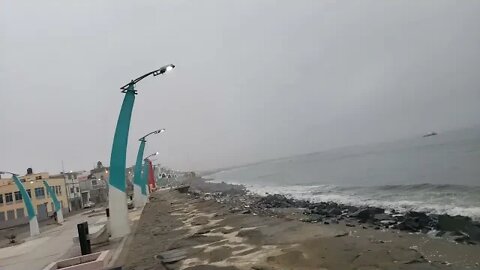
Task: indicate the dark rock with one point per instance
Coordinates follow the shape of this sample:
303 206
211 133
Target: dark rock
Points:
409 225
335 212
398 217
387 222
473 231
350 225
462 224
462 239
313 218
367 213
307 212
452 223
415 222
320 211
421 218
420 259
326 222
457 233
276 201
382 216
234 210
440 233
248 211
351 209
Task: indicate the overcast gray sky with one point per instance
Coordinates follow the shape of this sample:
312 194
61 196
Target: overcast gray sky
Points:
254 79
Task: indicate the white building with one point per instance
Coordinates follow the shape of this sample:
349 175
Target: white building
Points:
73 189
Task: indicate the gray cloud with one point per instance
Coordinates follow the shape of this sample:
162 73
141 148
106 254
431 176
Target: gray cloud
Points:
254 79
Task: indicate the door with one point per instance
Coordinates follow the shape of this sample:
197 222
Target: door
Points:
42 211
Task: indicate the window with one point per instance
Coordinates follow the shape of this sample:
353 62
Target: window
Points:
18 196
20 213
38 177
8 198
72 190
78 189
39 192
94 182
29 191
1 198
2 216
10 214
58 190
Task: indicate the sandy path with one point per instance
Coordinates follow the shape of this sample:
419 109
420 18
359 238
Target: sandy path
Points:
213 238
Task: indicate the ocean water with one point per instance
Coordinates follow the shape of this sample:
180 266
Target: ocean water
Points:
438 174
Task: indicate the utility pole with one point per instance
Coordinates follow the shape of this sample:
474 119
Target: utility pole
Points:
66 187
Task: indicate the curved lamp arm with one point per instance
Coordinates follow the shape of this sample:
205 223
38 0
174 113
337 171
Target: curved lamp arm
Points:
153 132
156 72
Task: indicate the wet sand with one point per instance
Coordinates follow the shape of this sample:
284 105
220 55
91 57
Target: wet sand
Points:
207 235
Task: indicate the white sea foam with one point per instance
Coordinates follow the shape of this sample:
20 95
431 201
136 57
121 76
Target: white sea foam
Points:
367 197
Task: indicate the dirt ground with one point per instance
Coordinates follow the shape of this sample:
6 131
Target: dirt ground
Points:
22 232
206 235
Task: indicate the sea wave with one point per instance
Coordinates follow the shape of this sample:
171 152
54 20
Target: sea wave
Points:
435 199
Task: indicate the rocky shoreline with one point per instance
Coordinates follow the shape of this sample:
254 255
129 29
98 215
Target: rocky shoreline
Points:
460 229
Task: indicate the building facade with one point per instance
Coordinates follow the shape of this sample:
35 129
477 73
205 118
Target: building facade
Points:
93 190
73 188
12 207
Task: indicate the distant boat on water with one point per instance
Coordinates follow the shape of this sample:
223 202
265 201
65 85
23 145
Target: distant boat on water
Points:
433 133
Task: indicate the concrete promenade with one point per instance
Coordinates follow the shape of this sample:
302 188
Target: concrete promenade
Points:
37 252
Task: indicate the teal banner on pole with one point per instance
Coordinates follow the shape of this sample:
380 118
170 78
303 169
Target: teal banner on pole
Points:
144 178
120 140
50 191
26 199
137 178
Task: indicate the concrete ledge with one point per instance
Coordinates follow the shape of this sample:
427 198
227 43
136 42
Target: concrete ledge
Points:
98 233
94 261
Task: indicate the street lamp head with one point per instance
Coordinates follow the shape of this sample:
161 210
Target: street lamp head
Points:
130 86
163 69
154 154
159 131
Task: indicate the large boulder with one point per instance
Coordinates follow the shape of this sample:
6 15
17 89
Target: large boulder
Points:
459 224
473 230
416 221
452 223
382 216
367 213
276 201
334 212
409 224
